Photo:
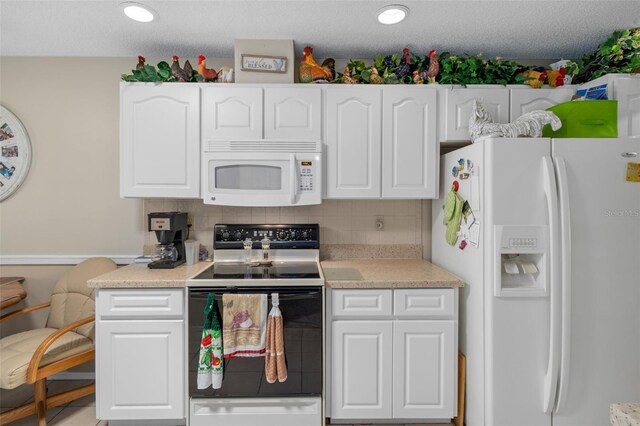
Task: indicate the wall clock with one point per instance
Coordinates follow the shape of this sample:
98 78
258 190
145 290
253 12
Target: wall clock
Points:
15 153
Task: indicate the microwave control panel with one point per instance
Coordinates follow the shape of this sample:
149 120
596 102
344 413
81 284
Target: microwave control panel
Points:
307 173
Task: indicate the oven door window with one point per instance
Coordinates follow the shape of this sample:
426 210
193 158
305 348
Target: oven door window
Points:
245 377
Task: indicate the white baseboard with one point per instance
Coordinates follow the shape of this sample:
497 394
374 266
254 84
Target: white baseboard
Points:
71 375
70 259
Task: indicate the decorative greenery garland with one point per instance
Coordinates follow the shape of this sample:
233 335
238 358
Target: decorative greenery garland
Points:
620 53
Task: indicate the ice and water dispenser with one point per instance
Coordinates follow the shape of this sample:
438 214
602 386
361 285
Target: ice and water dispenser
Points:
521 268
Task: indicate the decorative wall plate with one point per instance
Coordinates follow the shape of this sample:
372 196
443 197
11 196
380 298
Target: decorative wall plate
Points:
15 153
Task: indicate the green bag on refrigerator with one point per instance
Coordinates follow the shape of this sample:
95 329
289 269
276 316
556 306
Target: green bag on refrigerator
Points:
585 119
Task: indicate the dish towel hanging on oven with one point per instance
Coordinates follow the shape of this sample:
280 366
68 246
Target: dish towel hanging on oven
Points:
275 365
210 366
244 320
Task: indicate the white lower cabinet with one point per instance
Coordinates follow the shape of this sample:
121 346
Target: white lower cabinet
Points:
423 354
394 366
140 364
361 369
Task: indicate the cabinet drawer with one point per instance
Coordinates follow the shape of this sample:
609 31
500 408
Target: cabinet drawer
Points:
361 303
432 303
125 303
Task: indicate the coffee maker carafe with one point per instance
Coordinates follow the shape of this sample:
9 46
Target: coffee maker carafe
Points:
171 232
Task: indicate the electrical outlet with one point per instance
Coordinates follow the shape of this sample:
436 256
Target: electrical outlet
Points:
379 223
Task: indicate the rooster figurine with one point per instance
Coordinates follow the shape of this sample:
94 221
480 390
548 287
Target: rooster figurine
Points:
311 72
178 73
375 78
206 74
434 67
188 69
346 77
417 78
141 61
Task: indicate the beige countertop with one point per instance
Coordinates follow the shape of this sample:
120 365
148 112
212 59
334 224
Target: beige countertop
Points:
624 414
387 273
359 273
140 276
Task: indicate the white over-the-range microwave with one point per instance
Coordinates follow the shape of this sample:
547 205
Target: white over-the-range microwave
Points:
262 173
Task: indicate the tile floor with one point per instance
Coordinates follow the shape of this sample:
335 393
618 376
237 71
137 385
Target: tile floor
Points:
81 412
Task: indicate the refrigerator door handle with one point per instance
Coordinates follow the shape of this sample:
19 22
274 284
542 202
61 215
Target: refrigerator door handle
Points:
551 375
565 225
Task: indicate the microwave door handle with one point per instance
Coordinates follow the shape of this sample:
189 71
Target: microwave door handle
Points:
293 179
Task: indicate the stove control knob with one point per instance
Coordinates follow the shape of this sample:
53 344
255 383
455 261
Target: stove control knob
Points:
306 234
294 234
238 235
225 235
282 235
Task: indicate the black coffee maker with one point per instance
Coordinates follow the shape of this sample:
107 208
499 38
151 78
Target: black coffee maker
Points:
171 231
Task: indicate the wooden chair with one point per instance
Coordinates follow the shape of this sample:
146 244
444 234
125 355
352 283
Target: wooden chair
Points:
65 342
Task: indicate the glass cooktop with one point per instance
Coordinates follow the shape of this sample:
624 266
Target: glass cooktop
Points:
277 270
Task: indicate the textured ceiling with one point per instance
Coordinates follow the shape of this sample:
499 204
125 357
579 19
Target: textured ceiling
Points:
342 29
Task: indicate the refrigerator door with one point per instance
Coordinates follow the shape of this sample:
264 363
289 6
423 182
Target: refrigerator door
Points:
468 265
517 329
603 364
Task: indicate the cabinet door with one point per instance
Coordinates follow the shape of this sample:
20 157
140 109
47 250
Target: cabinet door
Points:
231 113
293 113
353 142
159 141
424 383
409 145
459 103
627 92
526 100
140 370
361 370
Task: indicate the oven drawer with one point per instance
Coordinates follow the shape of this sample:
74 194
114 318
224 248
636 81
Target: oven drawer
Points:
140 303
256 411
424 303
362 303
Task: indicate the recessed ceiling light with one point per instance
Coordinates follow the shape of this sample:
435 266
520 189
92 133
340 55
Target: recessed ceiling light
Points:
138 12
392 14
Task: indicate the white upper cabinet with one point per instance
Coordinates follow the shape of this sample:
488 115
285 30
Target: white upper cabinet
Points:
627 92
409 147
159 141
353 142
293 113
524 100
231 113
458 104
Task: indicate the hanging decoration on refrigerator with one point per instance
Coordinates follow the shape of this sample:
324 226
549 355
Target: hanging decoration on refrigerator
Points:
481 124
15 153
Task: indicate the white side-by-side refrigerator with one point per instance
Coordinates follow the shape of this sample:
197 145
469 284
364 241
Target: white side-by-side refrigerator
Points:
550 315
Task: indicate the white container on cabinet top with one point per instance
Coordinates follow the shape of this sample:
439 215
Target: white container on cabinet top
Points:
159 140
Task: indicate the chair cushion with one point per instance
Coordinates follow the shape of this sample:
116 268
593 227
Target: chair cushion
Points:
72 300
16 352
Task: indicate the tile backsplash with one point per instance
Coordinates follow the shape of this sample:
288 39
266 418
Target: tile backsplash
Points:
341 221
